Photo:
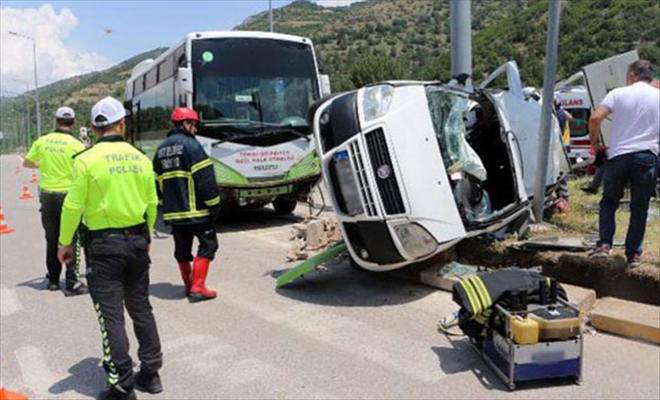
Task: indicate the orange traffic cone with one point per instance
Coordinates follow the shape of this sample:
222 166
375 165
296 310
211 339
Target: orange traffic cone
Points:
34 177
9 395
26 193
3 227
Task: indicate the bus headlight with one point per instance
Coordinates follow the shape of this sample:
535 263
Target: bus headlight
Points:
376 101
416 241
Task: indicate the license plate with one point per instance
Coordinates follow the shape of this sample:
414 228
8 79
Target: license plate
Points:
349 189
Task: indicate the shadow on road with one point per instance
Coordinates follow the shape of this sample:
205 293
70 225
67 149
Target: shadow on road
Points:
462 357
167 291
86 378
338 284
36 284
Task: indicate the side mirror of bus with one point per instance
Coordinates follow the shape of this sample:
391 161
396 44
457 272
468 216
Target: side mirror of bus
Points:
185 81
324 80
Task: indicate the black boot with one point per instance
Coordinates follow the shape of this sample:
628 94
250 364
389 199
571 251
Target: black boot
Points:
148 382
117 393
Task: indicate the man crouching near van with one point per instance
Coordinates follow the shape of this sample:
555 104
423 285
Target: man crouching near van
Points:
189 195
632 156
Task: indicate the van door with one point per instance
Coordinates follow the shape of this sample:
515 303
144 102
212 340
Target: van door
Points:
605 75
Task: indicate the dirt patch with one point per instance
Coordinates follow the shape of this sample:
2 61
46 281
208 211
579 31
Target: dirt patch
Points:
607 277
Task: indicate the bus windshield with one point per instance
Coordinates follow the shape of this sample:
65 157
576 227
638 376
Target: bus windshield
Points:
253 85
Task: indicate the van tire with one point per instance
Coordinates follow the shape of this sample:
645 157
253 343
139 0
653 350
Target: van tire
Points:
284 205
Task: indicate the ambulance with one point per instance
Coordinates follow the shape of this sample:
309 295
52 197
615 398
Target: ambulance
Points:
576 100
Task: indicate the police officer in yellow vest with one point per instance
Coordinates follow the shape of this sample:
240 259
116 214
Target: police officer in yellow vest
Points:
114 190
53 155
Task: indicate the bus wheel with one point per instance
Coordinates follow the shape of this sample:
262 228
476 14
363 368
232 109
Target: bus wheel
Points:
284 205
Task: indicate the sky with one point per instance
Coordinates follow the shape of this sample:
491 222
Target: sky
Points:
77 36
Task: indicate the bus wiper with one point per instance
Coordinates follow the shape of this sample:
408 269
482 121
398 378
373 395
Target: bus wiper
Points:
233 137
286 130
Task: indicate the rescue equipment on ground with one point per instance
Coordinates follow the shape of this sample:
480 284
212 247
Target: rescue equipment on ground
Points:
522 325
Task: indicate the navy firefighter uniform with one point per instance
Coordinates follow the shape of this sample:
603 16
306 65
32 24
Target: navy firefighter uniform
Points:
190 201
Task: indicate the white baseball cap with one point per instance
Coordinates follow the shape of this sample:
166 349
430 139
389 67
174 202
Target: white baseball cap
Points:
107 112
65 113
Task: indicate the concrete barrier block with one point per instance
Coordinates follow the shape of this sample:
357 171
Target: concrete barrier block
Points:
626 318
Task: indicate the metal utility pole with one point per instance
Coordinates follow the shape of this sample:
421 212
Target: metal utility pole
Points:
270 11
36 81
460 28
546 109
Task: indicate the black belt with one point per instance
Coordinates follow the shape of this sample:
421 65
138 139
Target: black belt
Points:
139 229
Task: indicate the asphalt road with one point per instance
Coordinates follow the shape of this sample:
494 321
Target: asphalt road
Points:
337 333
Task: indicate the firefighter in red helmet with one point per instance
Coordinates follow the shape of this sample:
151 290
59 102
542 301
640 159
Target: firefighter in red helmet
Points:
190 201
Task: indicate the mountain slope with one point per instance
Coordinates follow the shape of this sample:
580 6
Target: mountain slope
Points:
406 39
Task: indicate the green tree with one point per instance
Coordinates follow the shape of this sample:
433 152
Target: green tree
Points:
373 68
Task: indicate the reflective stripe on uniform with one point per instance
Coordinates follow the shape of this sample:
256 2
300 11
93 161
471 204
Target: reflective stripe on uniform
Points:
479 284
212 202
477 290
474 303
185 214
204 163
173 174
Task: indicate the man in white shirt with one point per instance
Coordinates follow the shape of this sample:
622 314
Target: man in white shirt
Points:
632 157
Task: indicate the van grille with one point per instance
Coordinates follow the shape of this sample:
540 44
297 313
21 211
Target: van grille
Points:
387 185
362 181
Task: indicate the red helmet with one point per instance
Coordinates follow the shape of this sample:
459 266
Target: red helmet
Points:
183 114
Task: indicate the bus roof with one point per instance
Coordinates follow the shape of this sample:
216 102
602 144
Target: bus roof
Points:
214 35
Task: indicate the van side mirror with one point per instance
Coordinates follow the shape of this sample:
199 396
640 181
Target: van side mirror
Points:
185 81
324 81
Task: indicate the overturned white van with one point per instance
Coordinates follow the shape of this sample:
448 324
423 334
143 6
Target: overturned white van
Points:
414 167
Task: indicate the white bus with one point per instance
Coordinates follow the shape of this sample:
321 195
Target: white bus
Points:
251 91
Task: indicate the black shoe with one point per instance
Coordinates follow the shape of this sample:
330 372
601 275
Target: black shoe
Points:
117 393
53 286
76 289
148 382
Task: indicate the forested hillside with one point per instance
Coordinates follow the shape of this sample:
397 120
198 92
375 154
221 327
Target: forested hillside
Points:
411 37
405 39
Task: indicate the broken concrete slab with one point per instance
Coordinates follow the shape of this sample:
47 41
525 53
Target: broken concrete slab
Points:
443 276
560 243
316 237
626 318
552 243
583 298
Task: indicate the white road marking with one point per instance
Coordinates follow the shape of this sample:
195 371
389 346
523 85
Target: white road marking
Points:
34 369
9 303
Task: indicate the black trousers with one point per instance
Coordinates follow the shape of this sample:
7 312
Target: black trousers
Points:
183 241
118 276
51 211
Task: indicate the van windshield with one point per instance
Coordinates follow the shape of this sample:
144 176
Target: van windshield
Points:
448 109
253 84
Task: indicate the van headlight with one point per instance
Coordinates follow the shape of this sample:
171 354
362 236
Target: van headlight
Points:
376 101
416 241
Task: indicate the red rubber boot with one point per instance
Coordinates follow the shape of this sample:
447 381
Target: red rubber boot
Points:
186 275
198 291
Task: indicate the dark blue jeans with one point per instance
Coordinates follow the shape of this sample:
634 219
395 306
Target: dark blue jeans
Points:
639 169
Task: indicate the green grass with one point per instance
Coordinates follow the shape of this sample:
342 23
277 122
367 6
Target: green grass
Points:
583 220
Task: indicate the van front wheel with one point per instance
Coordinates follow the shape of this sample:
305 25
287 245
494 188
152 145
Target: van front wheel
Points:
284 205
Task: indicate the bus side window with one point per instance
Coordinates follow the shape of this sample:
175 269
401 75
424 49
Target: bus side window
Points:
182 100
